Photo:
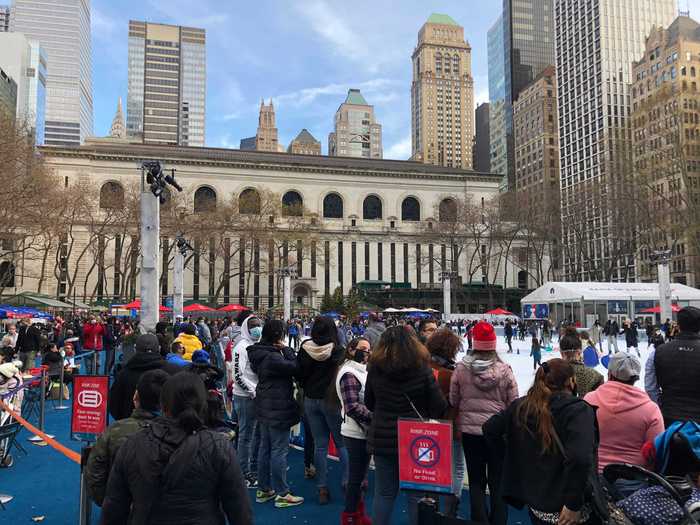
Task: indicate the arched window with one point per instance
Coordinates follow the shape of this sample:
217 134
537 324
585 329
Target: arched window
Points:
249 202
7 274
410 209
448 210
204 200
111 196
333 206
372 208
292 204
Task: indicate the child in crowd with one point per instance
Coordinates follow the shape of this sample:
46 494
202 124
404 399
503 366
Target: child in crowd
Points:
536 353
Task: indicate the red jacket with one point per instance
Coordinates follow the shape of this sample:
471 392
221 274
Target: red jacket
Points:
92 336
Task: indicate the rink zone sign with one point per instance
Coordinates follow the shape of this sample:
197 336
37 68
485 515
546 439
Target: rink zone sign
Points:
89 417
425 455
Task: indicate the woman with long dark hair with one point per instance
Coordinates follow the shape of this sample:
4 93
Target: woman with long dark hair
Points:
318 360
548 439
176 470
400 384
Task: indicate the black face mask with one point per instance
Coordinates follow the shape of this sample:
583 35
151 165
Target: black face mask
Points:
359 356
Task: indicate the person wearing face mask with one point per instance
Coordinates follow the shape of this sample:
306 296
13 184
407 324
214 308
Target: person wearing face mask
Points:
350 387
548 443
245 382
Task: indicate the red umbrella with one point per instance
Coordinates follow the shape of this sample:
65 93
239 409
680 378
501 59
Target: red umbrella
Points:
657 309
233 308
499 311
136 305
196 307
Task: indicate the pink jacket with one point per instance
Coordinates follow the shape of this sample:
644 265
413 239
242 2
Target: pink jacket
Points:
480 389
627 419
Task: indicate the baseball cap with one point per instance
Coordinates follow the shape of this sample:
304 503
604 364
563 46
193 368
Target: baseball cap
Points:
624 366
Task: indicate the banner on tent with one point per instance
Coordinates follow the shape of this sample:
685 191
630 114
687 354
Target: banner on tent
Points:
617 307
535 311
643 305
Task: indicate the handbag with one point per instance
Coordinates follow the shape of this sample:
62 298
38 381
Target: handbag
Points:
600 501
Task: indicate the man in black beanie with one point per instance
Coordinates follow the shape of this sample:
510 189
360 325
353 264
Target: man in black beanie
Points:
677 370
147 357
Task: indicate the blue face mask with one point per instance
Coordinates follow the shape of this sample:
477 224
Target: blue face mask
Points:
256 332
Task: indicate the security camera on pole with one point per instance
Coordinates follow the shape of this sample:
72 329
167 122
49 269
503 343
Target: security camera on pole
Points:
662 258
153 184
179 275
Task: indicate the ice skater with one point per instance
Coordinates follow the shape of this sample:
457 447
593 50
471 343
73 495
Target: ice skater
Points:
536 353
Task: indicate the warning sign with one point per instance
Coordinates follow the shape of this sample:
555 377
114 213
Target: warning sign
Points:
425 455
89 418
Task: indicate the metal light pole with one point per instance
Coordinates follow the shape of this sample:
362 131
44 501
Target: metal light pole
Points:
662 259
179 276
287 274
446 294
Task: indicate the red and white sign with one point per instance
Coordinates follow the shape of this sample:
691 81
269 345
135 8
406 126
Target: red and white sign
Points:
89 418
425 455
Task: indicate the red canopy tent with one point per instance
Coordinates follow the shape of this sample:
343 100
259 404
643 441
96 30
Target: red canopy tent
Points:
499 311
233 308
136 305
196 307
657 309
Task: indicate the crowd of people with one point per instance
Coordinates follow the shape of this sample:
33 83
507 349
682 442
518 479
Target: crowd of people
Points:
204 409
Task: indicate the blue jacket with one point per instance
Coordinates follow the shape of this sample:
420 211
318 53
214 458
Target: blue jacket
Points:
176 359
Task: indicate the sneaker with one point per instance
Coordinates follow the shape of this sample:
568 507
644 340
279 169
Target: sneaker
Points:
288 500
310 472
251 481
263 496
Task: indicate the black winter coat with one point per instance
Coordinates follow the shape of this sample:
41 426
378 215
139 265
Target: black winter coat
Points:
545 481
161 475
121 394
677 365
631 337
314 376
387 396
274 395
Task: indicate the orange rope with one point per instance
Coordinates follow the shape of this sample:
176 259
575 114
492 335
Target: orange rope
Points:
70 454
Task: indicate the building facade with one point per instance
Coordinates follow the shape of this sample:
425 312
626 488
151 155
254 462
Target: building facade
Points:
666 149
8 96
267 139
356 131
520 46
481 153
26 61
442 95
304 144
4 18
596 45
62 28
166 99
248 144
371 220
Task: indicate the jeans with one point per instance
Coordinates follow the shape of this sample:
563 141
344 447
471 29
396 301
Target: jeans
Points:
28 360
612 340
248 434
308 442
458 468
357 471
484 467
325 422
109 359
386 488
272 459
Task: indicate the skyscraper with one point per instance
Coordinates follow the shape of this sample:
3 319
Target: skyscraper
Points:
596 44
481 152
25 61
62 28
118 129
356 134
4 18
167 84
304 144
8 96
266 138
520 46
442 95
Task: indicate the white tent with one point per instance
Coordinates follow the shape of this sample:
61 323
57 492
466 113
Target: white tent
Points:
557 292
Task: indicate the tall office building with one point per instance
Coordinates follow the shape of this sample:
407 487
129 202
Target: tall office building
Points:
520 46
596 44
442 95
25 61
8 96
62 28
481 151
356 134
4 18
266 139
166 98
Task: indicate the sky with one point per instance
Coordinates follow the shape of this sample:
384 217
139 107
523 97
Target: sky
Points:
304 54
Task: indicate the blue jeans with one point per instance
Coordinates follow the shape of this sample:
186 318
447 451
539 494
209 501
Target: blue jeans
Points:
325 422
458 467
248 434
386 488
357 471
272 459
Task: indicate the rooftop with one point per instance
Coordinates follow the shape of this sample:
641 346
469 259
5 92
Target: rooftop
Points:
305 137
356 98
437 18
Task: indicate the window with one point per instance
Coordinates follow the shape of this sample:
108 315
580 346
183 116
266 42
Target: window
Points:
111 196
448 210
7 275
249 202
292 204
410 209
372 208
333 206
204 200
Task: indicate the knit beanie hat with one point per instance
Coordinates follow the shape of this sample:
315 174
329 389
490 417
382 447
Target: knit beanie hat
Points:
483 337
200 356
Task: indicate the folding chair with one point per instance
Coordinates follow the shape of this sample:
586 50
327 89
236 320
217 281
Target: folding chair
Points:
8 434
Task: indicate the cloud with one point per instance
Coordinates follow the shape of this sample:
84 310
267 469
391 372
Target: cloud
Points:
103 26
376 90
329 25
400 150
